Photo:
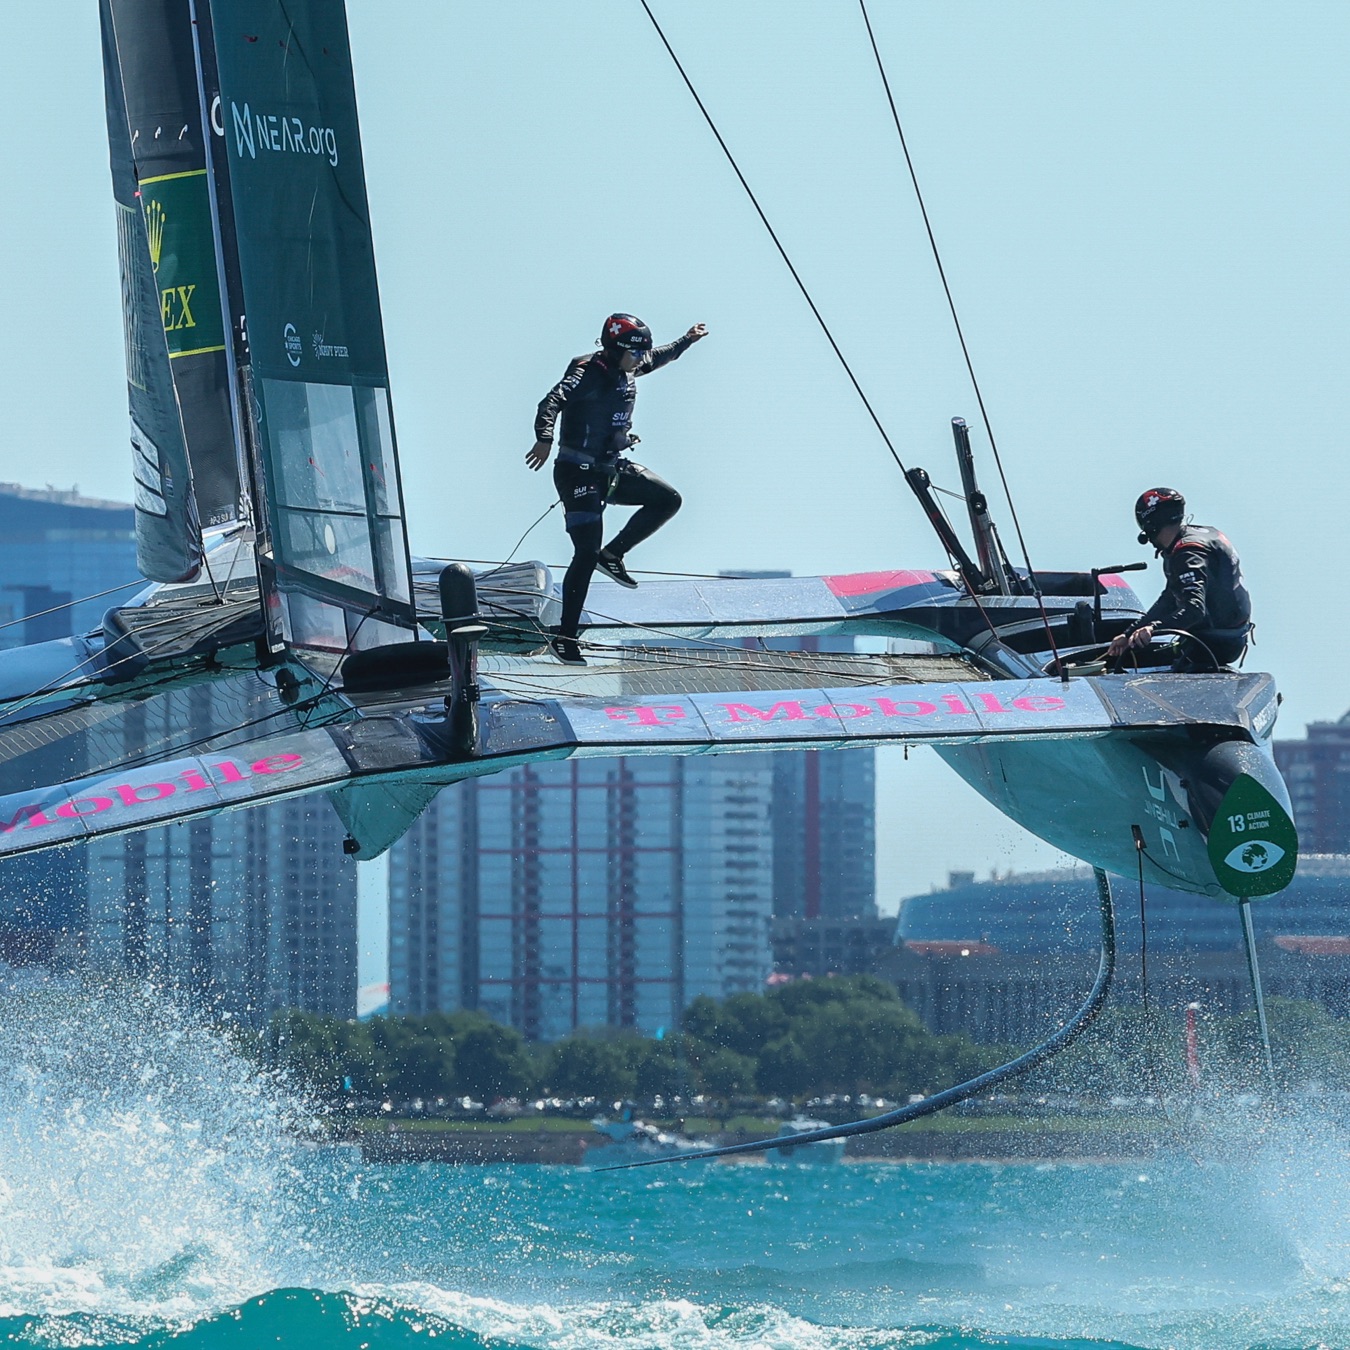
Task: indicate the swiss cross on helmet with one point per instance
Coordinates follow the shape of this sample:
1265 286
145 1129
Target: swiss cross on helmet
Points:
1156 509
625 333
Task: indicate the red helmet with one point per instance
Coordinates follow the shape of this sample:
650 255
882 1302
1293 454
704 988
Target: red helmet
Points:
1158 508
625 333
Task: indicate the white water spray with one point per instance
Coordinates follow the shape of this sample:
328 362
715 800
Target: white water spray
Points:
145 1167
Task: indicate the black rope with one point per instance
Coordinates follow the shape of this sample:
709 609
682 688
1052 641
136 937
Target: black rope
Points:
337 665
825 328
482 576
1143 920
1175 1127
961 337
782 252
1061 1040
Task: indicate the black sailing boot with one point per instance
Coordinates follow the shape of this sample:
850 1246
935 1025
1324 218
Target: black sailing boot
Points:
611 564
566 649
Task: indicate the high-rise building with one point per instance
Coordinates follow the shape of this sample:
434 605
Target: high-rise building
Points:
1317 771
586 893
610 893
60 554
56 549
1004 960
824 831
247 911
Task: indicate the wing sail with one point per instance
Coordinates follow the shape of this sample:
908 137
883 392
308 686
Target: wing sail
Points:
168 530
387 766
333 553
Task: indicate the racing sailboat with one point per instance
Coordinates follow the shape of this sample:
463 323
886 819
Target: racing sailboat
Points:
288 643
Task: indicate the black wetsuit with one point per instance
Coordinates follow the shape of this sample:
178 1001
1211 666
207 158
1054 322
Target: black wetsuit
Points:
595 399
1205 596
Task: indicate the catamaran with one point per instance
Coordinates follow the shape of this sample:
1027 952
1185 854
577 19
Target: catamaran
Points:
287 641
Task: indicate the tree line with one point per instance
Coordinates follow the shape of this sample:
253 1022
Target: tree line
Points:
800 1040
805 1039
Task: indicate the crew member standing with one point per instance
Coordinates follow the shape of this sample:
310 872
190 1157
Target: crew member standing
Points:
1204 597
595 398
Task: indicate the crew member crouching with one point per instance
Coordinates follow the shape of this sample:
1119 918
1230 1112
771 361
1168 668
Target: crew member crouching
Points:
1204 601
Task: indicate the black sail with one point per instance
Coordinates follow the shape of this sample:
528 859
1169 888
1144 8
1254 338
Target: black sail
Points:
168 254
332 545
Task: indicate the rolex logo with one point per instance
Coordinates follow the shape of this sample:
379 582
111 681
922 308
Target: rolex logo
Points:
154 229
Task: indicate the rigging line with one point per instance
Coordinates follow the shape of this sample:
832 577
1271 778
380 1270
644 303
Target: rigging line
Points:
234 562
216 590
1166 871
626 625
60 683
1061 1040
825 328
782 252
505 680
629 625
167 681
960 333
676 659
519 542
346 651
137 759
70 604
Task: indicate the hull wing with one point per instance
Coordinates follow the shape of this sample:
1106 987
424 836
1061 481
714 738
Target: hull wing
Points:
1118 772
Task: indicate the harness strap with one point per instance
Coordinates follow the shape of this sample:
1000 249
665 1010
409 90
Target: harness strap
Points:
586 460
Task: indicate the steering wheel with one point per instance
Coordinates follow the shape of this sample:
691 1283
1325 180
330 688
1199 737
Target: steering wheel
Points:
1087 661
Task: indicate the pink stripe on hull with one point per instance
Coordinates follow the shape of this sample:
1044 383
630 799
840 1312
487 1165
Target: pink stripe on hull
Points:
871 583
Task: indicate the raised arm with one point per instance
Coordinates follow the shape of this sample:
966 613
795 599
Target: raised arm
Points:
660 356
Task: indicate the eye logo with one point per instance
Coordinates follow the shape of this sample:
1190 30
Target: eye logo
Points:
1254 857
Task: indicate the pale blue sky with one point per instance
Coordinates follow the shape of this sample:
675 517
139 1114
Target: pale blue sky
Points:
1143 211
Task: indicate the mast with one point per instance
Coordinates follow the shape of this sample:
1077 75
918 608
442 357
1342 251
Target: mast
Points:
227 252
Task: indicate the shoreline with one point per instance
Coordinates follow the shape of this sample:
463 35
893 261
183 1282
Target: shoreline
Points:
1030 1144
